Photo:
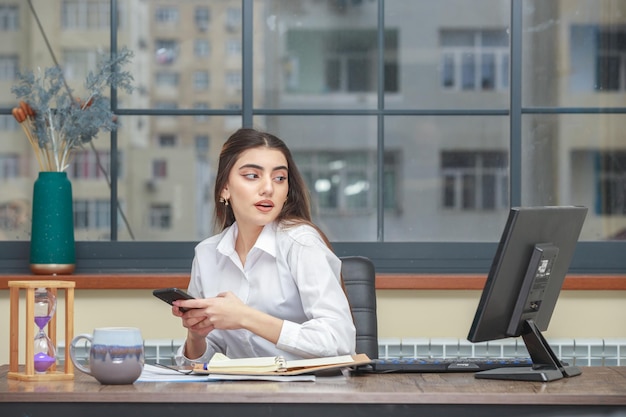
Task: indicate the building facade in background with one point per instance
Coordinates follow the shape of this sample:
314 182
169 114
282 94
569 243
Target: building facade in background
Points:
400 121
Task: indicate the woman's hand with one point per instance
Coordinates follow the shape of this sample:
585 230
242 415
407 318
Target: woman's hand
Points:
194 323
198 327
227 311
224 312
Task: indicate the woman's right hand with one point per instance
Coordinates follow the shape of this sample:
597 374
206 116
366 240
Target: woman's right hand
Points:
198 325
195 345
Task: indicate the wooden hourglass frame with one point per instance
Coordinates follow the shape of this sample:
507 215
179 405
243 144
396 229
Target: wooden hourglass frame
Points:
29 369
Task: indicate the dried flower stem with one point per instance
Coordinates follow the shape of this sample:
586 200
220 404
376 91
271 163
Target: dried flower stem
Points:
26 126
60 123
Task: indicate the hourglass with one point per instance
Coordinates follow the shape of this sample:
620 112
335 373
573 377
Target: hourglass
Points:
40 355
45 352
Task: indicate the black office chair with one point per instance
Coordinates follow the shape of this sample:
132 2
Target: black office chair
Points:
359 279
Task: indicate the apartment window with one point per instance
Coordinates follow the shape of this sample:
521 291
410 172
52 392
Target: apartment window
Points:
390 181
84 165
202 17
201 143
201 106
474 180
167 140
349 61
92 214
166 14
159 168
8 124
233 80
9 18
86 14
13 215
201 48
344 182
9 166
165 105
611 182
166 51
474 59
611 60
8 67
233 19
78 62
200 80
166 78
233 47
597 58
160 216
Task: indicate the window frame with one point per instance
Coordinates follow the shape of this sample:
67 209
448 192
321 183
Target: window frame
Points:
92 214
9 18
607 80
478 52
8 67
601 257
454 176
9 165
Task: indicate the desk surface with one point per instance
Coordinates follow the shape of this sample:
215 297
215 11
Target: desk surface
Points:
598 388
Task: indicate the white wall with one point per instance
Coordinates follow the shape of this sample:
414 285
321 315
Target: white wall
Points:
401 313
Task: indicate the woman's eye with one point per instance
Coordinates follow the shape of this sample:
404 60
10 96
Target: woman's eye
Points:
280 178
251 176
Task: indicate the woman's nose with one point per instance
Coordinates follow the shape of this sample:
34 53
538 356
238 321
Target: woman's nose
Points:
267 186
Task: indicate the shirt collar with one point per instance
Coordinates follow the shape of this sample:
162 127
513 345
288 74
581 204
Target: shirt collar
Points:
265 242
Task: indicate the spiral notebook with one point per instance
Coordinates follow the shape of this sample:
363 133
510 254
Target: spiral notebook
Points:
277 365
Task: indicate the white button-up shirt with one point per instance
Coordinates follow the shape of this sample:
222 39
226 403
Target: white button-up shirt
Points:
291 274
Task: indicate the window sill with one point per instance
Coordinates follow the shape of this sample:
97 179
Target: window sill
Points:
383 281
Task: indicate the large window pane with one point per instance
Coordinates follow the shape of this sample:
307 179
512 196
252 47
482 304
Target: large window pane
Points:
444 64
322 54
418 99
452 174
188 52
337 158
575 53
166 175
580 160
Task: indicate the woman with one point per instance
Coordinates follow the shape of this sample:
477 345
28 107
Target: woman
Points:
268 284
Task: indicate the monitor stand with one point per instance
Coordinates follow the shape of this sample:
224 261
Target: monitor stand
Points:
546 365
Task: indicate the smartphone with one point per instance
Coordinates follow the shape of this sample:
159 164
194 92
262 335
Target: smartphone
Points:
169 295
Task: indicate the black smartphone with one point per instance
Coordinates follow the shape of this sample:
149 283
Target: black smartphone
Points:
169 295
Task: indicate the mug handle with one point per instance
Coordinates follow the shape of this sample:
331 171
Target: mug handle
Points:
75 360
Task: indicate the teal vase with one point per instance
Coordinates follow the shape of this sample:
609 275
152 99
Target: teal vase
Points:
52 250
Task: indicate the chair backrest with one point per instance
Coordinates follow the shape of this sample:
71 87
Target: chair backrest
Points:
359 278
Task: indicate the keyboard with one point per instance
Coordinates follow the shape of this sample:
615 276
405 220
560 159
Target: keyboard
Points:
404 365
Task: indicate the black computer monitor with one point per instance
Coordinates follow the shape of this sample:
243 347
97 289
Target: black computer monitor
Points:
523 286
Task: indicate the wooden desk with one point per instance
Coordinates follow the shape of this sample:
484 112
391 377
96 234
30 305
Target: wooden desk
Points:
598 391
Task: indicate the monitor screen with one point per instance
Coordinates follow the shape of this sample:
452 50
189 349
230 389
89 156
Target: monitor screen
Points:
523 286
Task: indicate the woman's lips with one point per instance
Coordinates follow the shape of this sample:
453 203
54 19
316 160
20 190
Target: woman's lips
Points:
264 205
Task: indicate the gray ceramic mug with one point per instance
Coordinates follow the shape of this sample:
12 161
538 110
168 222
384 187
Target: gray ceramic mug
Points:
116 355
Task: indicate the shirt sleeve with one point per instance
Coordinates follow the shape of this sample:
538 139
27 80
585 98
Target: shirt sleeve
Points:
329 330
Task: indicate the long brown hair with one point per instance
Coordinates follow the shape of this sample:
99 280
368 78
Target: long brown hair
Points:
297 208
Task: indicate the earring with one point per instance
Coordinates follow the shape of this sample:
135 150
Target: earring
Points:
223 201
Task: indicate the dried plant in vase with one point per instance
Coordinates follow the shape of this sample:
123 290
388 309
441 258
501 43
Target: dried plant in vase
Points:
55 122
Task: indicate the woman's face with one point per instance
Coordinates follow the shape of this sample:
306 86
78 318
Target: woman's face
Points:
257 186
